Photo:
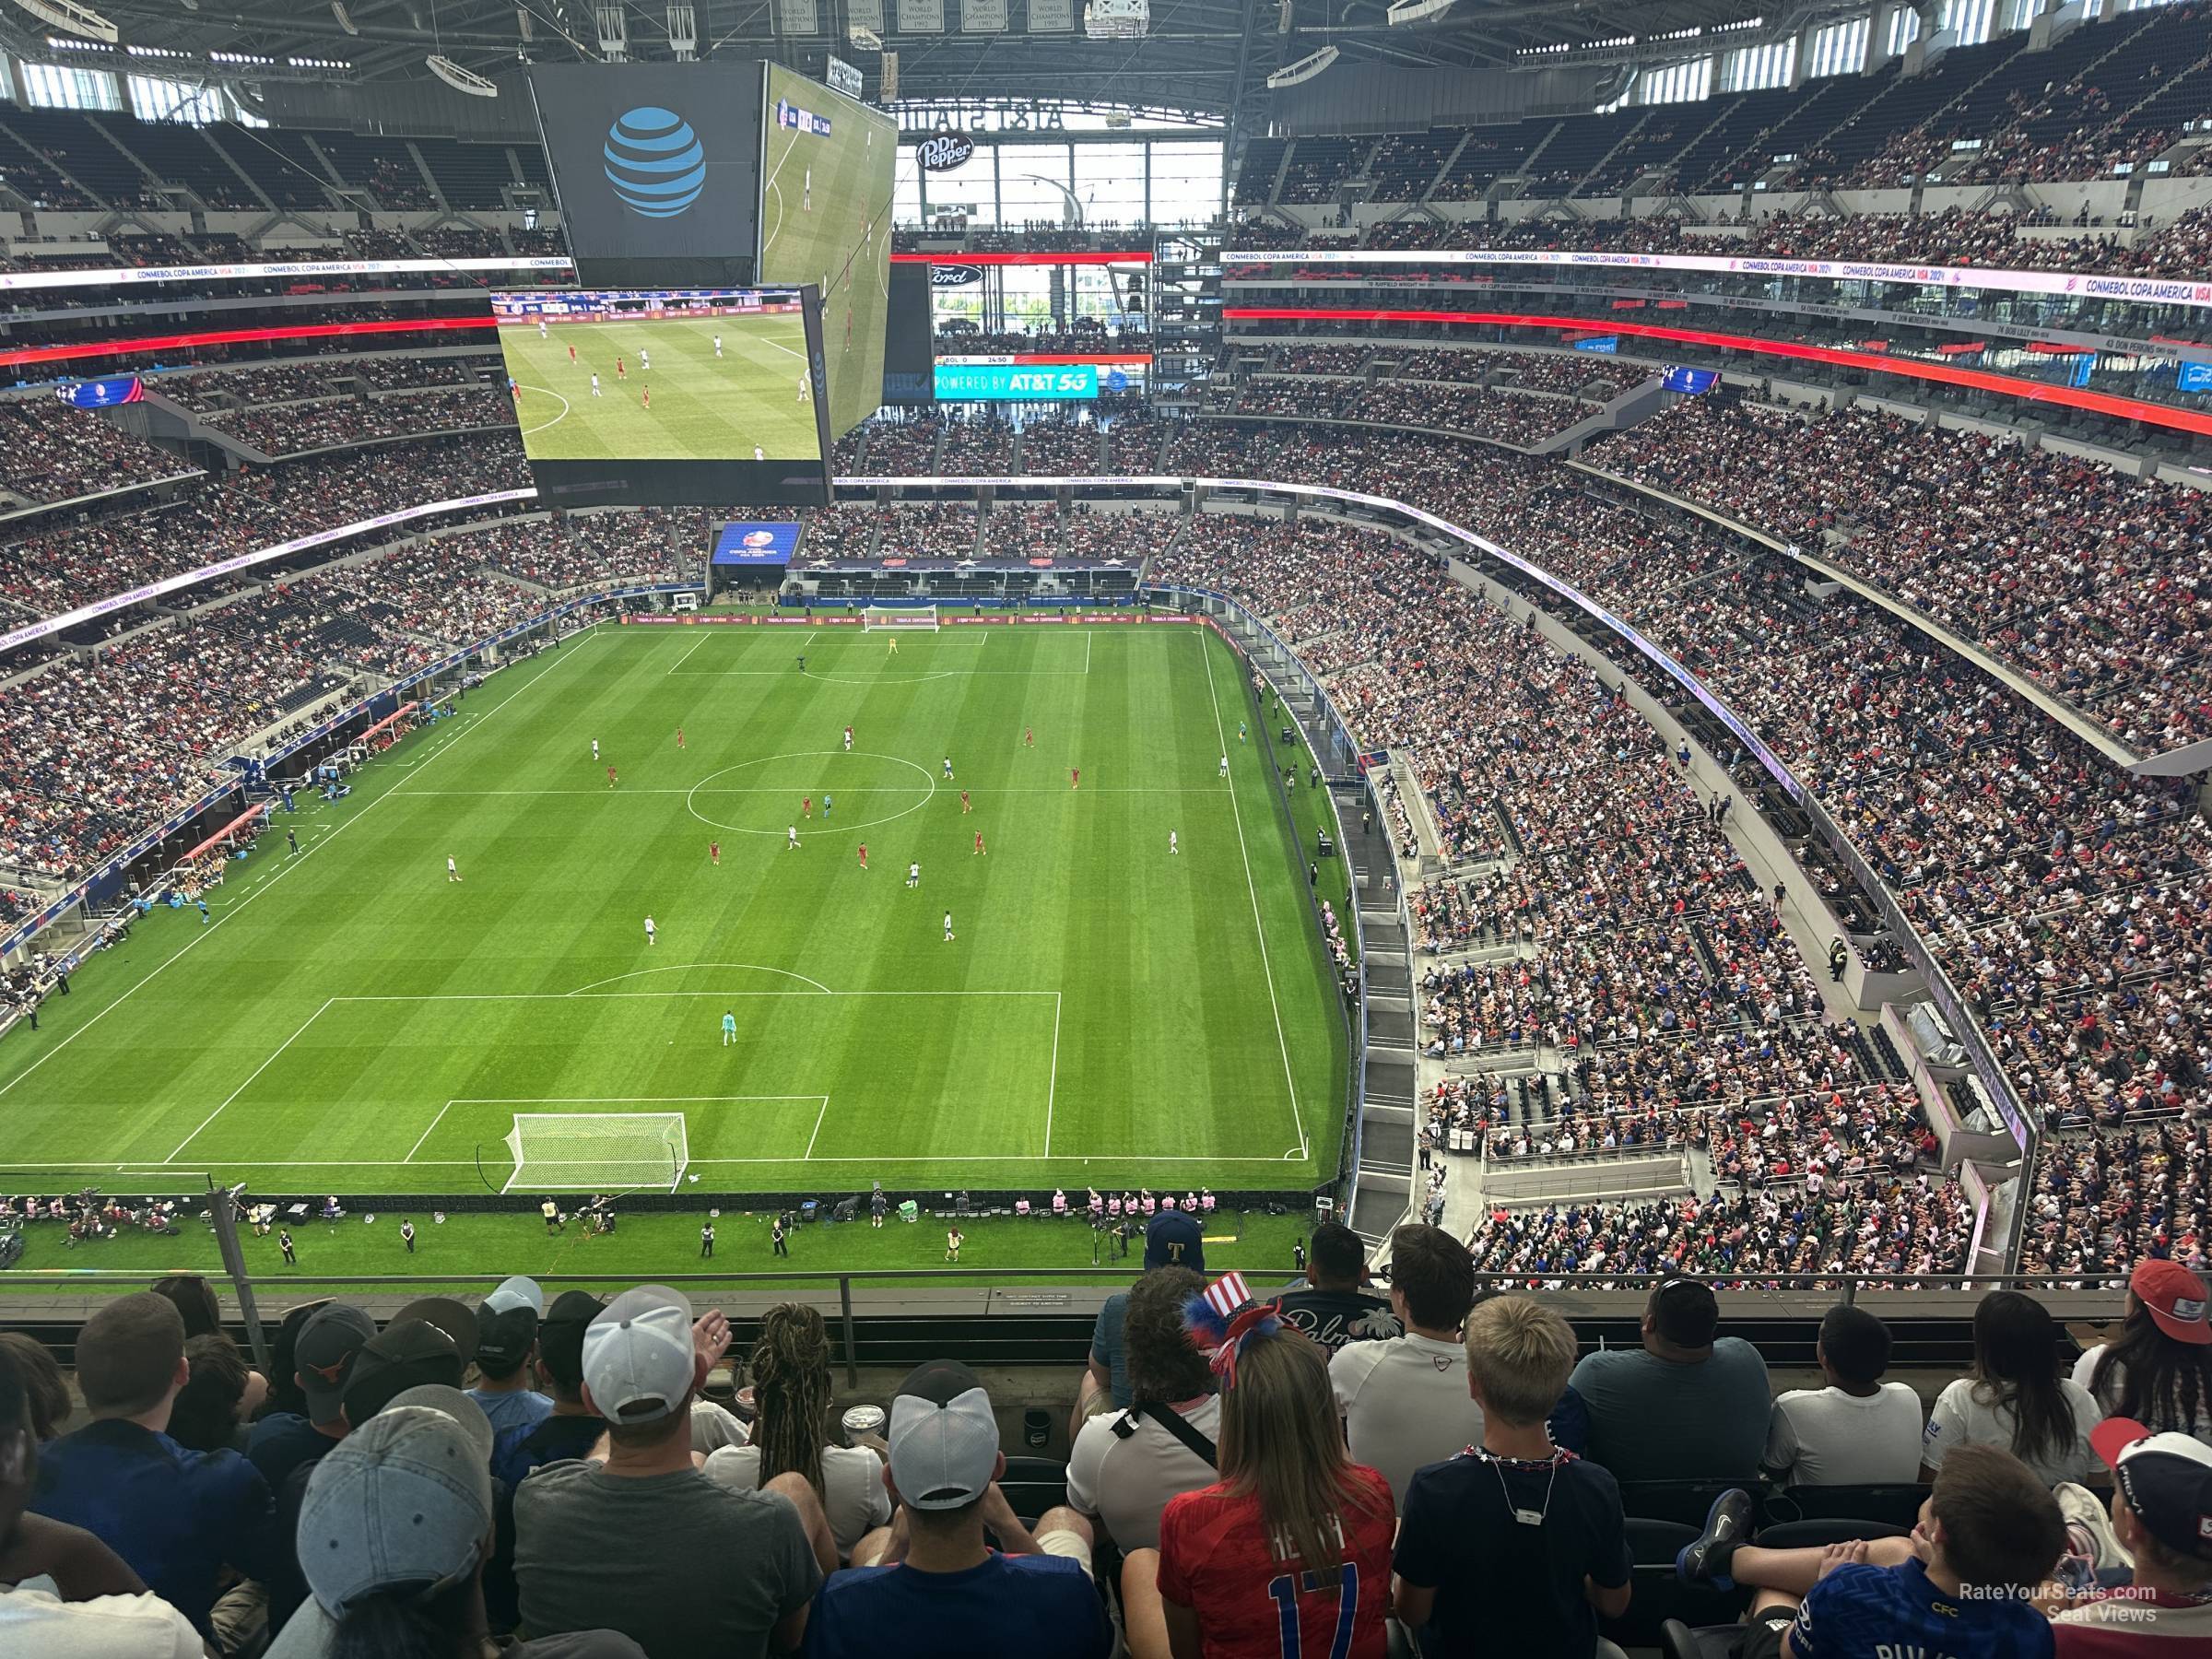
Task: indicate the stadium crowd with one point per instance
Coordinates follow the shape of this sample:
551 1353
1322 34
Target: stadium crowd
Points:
50 452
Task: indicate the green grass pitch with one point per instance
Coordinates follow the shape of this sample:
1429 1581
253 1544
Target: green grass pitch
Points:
826 218
1108 1013
704 409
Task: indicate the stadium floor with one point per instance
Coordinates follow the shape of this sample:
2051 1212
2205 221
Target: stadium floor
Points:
1108 1014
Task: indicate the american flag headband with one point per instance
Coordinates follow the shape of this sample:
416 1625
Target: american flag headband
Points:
1222 1318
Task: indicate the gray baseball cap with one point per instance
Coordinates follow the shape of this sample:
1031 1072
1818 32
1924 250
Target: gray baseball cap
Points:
402 1503
638 1357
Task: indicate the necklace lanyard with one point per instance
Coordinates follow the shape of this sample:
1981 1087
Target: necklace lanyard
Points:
1526 1517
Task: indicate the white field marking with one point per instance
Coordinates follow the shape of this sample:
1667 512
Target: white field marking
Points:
1144 788
426 1134
565 996
700 788
250 1076
1089 634
1266 967
1052 1085
686 657
769 241
556 420
686 967
289 863
818 1128
777 344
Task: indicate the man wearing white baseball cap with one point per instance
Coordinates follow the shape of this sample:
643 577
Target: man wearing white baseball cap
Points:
2163 1517
395 1529
646 1544
936 1590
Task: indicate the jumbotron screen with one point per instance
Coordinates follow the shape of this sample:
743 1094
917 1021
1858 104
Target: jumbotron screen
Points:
669 394
826 168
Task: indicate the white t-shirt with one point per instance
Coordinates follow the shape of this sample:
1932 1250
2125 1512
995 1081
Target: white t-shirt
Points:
714 1427
1824 1436
108 1627
1126 1483
853 1486
2108 1401
1404 1402
1963 1417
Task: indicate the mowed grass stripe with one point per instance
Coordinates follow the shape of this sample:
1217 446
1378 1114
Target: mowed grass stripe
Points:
1167 1047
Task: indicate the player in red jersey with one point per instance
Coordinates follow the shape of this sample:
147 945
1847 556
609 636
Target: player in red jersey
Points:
679 736
620 372
805 805
964 807
610 777
714 853
863 856
1029 738
571 351
979 844
645 397
1075 777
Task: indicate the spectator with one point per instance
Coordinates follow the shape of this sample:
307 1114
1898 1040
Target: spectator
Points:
221 1394
792 1399
1960 1584
99 1608
572 1428
2014 1397
593 1539
1332 1307
2159 1370
1474 1574
1289 1551
1124 1467
1685 1405
1172 1239
394 1533
2161 1494
1405 1400
932 1588
322 1355
431 1340
45 1391
178 1517
194 1298
1859 1431
506 1343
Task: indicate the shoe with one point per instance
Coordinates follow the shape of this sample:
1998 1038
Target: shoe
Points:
1727 1523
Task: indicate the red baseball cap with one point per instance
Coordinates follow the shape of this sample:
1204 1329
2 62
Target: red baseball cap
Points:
2174 1298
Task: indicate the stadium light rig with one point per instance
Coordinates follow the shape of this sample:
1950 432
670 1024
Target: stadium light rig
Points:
1415 11
1305 69
459 79
1117 19
72 19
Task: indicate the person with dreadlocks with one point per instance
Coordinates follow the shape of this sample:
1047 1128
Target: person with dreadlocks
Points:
1294 1528
2158 1370
792 1397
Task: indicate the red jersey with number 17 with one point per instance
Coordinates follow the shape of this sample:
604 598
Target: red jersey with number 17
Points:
1215 1556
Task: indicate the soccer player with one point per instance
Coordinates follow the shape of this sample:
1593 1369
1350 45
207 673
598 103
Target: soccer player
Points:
595 750
595 383
645 397
947 927
806 806
729 1027
1075 777
863 856
827 804
679 736
453 872
645 361
651 932
621 373
892 641
914 874
848 740
1224 766
806 192
979 845
610 777
804 377
1029 738
1239 731
714 853
541 329
964 805
759 453
1173 847
948 768
791 842
571 351
717 344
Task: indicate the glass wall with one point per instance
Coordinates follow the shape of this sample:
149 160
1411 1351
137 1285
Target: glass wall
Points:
1161 181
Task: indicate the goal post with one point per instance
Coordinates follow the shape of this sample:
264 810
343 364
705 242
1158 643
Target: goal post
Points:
593 1152
877 616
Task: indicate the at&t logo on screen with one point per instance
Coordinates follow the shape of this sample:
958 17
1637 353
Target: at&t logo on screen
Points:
655 161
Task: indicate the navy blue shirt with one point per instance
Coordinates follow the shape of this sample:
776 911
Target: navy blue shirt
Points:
178 1517
1459 1537
281 1443
1860 1612
1010 1607
553 1440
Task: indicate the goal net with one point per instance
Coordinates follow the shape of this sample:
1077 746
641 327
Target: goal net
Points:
596 1151
910 616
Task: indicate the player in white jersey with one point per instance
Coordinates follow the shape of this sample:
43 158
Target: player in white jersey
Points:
914 874
792 842
452 871
1225 765
594 751
541 328
645 361
947 927
848 740
650 930
805 378
948 768
717 344
760 454
806 192
1171 845
595 385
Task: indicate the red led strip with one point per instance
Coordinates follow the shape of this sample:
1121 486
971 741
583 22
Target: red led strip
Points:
1980 380
235 336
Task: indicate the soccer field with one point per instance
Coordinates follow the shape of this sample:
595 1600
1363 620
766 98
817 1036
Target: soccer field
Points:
826 218
704 409
1107 1013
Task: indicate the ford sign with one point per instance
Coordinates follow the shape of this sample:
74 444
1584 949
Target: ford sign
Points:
943 151
953 275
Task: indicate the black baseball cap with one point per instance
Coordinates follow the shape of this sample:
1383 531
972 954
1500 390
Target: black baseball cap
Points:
408 1353
323 1356
561 1336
